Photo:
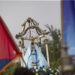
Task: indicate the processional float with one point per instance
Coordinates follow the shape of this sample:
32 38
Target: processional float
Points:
33 56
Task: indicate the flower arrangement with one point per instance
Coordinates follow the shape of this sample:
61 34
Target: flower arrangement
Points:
46 71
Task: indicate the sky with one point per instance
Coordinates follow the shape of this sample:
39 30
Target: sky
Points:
14 13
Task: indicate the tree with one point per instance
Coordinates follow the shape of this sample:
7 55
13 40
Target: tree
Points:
54 46
10 70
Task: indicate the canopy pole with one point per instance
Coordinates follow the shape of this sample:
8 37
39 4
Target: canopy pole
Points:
23 61
61 4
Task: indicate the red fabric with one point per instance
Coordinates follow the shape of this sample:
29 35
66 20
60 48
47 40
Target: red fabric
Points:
8 48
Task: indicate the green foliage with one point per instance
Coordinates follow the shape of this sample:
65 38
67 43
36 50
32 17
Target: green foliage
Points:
53 46
10 70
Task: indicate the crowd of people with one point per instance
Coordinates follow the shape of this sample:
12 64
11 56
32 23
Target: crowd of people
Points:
41 71
23 71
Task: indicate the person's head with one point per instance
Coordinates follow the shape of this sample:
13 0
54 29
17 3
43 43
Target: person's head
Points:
23 71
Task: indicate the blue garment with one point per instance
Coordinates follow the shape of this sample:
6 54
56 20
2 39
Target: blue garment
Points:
37 58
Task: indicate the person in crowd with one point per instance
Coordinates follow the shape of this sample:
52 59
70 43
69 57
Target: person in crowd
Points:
23 71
